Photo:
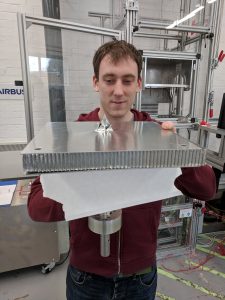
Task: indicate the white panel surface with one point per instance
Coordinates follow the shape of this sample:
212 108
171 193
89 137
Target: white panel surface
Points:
88 193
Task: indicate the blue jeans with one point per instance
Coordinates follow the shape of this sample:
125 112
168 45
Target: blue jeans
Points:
87 286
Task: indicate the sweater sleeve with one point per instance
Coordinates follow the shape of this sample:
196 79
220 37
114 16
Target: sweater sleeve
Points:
41 208
197 182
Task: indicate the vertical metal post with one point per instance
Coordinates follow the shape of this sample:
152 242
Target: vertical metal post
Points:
216 14
53 43
194 229
131 18
112 13
195 68
26 76
208 83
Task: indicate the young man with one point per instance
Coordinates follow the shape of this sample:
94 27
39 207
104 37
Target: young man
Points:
130 271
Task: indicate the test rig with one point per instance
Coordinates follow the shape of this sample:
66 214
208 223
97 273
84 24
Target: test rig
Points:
170 77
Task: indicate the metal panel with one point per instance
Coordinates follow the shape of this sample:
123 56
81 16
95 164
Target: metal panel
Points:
20 237
24 243
76 146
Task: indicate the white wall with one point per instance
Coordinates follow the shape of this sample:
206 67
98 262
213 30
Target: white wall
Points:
12 116
77 50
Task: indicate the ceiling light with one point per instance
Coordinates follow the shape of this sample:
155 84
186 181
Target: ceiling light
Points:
191 15
211 1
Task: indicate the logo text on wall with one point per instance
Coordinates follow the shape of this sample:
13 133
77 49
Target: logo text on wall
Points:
11 92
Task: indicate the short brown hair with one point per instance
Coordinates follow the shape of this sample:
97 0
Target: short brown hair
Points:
117 50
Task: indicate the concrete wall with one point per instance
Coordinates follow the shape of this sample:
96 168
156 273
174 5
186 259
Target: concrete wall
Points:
77 52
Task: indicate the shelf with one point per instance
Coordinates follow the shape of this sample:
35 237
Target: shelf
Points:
170 225
163 86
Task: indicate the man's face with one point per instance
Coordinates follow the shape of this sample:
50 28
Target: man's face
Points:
117 84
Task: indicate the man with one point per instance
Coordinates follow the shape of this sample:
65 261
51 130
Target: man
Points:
130 271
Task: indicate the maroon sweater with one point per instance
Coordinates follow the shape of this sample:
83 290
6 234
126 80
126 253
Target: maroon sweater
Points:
134 247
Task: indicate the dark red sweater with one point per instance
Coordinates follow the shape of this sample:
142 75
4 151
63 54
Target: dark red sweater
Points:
134 247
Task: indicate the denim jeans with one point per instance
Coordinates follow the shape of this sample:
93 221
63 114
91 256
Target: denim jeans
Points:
87 286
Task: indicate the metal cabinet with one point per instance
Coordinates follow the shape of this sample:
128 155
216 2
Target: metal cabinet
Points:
24 243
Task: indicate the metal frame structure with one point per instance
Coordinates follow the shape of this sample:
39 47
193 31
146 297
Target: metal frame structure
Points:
211 32
215 159
133 29
24 21
168 55
175 244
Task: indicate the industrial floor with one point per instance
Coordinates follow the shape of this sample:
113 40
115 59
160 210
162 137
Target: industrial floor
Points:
178 277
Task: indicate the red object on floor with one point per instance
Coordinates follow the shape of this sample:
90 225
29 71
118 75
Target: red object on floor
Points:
204 123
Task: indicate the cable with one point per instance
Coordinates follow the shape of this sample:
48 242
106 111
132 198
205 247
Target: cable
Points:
213 213
213 207
206 244
189 268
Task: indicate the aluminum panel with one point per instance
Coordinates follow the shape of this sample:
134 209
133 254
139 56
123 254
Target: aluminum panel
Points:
75 146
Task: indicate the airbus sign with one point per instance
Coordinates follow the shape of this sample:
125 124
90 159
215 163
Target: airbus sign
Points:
11 92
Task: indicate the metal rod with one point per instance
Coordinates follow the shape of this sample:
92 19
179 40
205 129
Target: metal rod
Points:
169 54
218 20
207 84
187 42
112 13
99 14
73 26
129 26
192 40
213 54
145 71
104 237
138 101
157 36
102 17
194 89
26 78
195 81
105 245
185 28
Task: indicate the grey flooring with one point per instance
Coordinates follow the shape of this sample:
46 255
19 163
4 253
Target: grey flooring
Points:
177 280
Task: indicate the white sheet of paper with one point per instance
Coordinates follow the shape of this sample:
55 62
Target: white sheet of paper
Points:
92 192
6 194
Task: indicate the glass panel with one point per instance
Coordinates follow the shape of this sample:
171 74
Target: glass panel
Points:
118 12
61 73
168 71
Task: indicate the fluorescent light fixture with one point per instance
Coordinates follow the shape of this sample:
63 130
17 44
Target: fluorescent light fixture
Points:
211 1
191 15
